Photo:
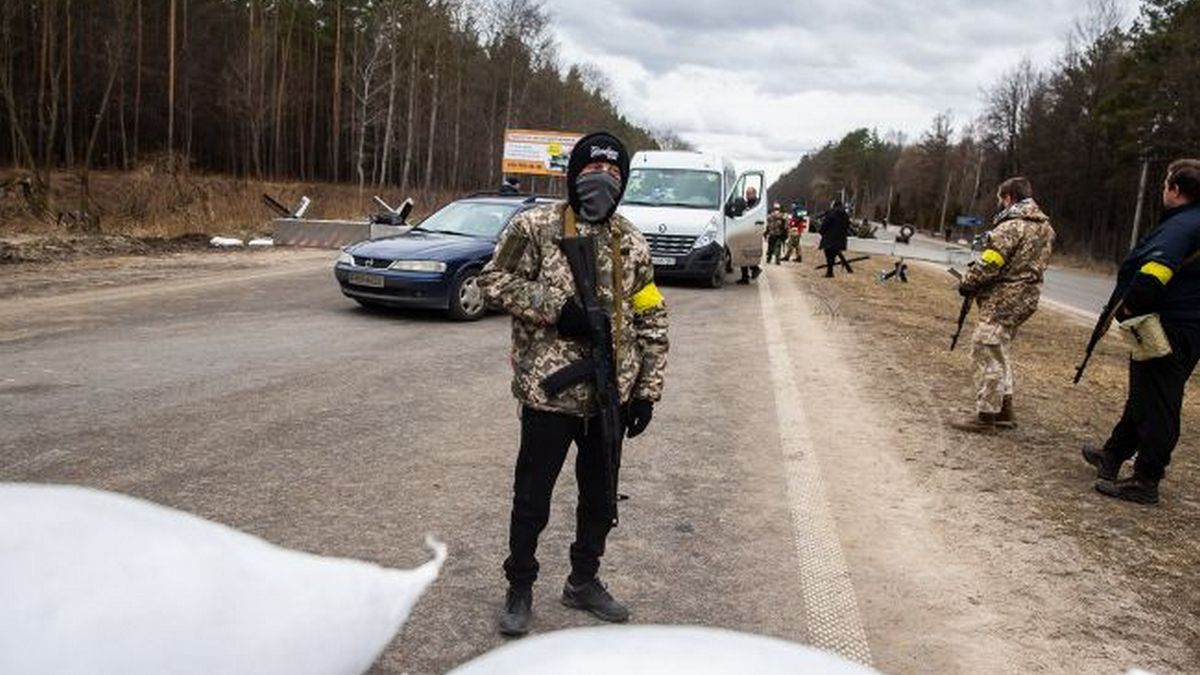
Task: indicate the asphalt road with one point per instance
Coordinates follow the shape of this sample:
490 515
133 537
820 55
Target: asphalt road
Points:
268 402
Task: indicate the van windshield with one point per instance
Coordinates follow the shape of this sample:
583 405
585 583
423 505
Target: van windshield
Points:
687 188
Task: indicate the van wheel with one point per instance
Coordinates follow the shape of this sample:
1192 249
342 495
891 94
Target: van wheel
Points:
466 298
717 279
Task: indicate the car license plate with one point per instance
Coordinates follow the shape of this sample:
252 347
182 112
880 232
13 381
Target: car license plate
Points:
368 280
666 262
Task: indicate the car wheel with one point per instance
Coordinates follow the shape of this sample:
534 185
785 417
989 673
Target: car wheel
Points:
466 298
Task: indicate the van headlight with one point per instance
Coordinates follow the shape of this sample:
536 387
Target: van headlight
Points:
435 266
708 236
345 258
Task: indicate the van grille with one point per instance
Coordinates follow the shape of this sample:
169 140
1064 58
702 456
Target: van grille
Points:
670 244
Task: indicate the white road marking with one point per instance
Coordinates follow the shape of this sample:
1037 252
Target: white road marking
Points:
830 605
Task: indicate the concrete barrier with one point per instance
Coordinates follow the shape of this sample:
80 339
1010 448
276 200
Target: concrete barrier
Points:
319 233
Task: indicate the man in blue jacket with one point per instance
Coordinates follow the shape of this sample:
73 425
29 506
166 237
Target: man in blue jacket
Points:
1160 276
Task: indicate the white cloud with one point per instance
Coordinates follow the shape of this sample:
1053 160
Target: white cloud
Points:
767 81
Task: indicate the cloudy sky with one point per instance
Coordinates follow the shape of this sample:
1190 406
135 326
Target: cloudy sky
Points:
766 81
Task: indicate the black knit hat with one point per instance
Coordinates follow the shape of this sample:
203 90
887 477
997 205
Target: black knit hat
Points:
597 147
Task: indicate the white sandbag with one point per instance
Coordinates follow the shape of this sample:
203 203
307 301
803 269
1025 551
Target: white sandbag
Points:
262 242
651 650
226 242
97 582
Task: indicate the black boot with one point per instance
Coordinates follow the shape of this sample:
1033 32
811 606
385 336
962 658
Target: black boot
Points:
1006 419
1107 466
518 608
1133 489
593 597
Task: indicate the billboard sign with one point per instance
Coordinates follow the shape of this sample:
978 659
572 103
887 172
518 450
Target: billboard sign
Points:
537 153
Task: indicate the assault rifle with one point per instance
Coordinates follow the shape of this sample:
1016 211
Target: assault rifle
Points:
600 368
1098 332
962 312
852 260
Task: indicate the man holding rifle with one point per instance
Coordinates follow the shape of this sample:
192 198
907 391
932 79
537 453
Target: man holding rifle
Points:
1160 281
1006 286
589 350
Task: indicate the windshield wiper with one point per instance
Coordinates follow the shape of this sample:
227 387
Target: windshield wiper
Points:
457 234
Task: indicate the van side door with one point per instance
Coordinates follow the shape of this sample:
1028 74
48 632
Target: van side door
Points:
746 219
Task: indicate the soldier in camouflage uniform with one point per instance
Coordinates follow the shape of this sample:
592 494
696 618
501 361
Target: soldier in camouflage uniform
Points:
529 278
776 233
1006 285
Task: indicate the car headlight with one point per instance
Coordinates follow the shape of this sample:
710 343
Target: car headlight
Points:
708 236
345 258
418 266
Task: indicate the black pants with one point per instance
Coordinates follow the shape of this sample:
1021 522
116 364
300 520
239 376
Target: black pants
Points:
831 257
545 439
1149 427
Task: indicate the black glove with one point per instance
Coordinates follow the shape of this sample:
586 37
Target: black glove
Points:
1144 296
572 320
965 291
637 416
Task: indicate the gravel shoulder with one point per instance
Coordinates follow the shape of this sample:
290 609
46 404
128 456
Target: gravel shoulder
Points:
1070 581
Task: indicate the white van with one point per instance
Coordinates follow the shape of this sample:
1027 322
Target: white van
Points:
693 210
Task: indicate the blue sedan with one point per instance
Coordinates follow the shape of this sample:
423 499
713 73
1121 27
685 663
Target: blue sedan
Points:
435 264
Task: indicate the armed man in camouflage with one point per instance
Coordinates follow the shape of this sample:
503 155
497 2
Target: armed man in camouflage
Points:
776 232
1006 285
529 278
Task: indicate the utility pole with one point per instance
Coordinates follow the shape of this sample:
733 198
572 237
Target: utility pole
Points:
1141 200
946 205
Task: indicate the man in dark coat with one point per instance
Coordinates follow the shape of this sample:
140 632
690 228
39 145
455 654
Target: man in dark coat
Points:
1161 276
835 230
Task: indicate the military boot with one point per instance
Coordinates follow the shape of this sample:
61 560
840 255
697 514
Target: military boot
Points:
1107 465
593 597
518 608
1006 419
1136 489
981 423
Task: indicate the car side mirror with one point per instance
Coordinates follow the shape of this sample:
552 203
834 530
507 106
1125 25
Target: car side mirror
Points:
736 207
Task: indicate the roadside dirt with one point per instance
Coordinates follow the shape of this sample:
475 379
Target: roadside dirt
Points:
1067 580
76 274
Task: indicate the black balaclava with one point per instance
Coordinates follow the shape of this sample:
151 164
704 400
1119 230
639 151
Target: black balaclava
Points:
596 199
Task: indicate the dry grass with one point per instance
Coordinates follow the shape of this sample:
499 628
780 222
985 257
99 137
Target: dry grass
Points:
901 337
146 203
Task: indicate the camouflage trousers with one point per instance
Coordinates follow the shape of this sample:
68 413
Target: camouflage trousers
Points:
991 351
793 246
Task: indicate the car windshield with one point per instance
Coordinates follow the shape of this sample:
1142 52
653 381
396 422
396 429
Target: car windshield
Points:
674 187
469 219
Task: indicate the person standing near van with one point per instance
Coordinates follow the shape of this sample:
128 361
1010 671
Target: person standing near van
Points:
529 277
796 226
776 232
835 236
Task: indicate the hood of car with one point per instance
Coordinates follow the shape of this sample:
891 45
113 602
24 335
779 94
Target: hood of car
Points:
420 245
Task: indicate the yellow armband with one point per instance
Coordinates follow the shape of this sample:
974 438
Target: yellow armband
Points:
1158 271
993 257
647 299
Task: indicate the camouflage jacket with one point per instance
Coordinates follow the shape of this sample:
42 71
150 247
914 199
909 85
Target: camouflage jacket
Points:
530 279
1007 281
777 224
